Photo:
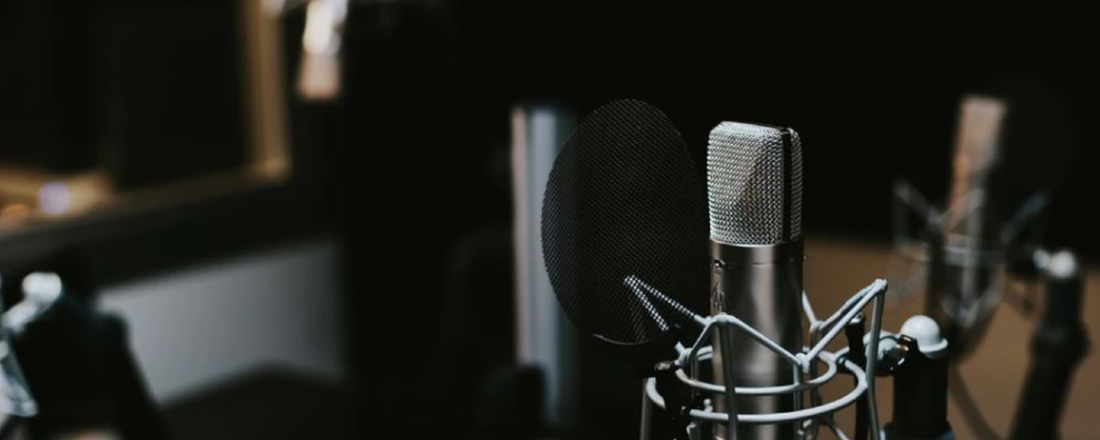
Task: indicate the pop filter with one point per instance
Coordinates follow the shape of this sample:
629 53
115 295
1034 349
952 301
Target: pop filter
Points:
624 223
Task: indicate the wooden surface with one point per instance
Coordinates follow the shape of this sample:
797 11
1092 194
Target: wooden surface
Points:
994 373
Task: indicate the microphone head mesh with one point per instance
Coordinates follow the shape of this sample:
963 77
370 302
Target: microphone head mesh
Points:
754 183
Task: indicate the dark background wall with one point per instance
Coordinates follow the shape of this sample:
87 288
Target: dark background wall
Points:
873 99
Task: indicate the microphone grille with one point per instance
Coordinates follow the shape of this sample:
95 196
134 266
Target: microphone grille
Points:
754 183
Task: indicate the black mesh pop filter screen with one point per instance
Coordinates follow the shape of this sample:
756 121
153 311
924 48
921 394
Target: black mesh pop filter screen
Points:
625 202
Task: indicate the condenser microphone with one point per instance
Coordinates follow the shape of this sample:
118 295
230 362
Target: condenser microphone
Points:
754 184
1013 142
964 256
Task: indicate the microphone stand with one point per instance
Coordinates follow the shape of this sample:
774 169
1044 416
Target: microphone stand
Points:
1057 346
857 352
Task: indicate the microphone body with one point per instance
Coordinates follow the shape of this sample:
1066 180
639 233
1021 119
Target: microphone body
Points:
754 182
762 286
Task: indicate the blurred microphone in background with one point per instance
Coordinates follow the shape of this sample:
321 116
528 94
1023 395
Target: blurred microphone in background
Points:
1013 143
